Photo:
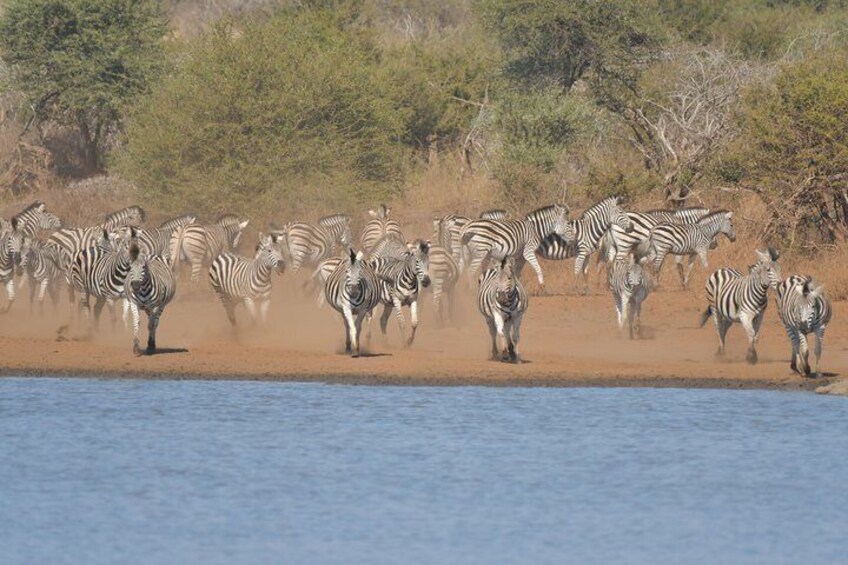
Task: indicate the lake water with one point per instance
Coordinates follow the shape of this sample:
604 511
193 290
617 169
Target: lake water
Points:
110 471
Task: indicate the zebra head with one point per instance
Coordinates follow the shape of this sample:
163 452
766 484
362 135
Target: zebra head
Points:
338 226
767 268
129 216
505 282
380 213
355 265
618 216
270 252
49 221
721 221
419 254
808 294
138 271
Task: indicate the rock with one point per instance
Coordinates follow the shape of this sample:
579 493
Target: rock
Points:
838 388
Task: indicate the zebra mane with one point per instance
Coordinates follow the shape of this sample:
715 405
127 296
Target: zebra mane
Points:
227 220
706 219
544 211
126 212
333 219
607 202
174 223
36 204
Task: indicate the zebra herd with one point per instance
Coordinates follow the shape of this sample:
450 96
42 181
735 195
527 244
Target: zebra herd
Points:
122 260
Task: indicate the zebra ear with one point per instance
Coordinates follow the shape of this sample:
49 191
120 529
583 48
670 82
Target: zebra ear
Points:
132 232
14 223
729 215
359 256
134 251
352 254
763 255
373 214
425 246
773 254
243 224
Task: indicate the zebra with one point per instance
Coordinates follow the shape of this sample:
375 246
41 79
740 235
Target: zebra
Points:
380 226
42 269
35 217
733 297
401 279
149 286
446 233
502 300
691 239
309 244
590 228
12 261
101 271
196 244
353 290
803 308
496 214
129 216
500 238
629 288
444 275
235 278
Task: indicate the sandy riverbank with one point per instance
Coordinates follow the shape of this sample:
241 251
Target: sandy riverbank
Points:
566 341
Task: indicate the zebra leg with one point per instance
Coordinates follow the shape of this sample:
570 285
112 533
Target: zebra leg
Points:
793 339
251 309
501 338
352 345
398 308
31 296
819 339
635 319
618 310
722 324
358 328
437 301
751 326
98 309
126 313
263 310
152 324
135 324
493 333
42 290
476 262
195 272
803 355
530 255
516 335
10 293
580 264
384 320
230 308
413 313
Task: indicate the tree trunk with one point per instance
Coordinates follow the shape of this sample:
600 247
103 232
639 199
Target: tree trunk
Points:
91 157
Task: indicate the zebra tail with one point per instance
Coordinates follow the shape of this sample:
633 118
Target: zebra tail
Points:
176 251
706 315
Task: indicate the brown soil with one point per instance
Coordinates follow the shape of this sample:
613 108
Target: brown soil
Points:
566 340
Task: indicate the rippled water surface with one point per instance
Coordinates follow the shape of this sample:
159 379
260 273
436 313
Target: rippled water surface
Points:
109 471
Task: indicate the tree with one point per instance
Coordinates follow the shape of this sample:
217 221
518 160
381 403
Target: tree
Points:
79 63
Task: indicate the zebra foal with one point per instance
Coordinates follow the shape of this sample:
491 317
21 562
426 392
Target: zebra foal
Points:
502 300
238 279
150 285
803 308
629 289
733 297
353 290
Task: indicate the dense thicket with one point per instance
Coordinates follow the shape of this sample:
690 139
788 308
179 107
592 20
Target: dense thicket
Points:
295 105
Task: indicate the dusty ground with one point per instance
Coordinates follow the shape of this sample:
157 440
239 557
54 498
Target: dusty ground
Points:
567 340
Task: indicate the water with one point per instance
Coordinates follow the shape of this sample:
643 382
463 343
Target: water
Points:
108 471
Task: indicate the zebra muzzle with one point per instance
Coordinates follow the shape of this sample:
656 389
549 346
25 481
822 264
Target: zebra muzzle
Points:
425 282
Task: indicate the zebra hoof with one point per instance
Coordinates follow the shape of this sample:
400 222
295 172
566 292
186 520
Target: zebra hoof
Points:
150 351
752 357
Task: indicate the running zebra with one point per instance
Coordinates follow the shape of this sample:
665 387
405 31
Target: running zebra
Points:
401 278
803 309
733 297
199 244
42 269
12 262
235 278
379 227
497 239
590 228
353 290
101 272
502 300
150 285
687 240
444 275
309 244
629 288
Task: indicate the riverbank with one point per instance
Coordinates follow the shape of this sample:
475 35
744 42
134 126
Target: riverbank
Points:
566 341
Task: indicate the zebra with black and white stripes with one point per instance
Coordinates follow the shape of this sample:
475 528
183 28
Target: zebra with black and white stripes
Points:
590 228
402 278
35 218
803 308
733 297
353 290
43 272
629 287
150 285
380 226
198 244
12 261
237 279
496 239
447 233
692 240
502 300
101 271
444 276
308 244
